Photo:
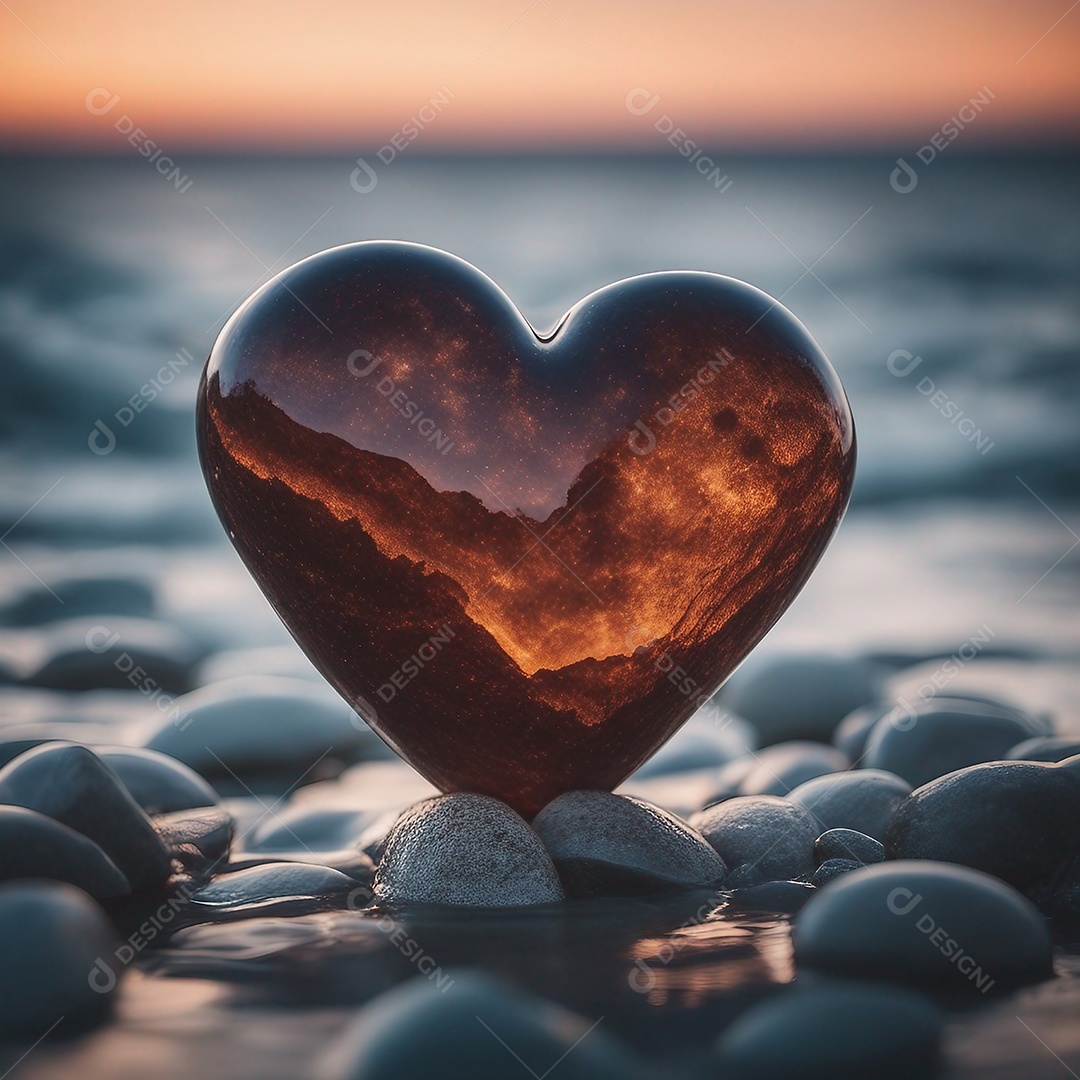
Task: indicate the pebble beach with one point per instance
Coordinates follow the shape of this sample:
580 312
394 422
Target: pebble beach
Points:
859 857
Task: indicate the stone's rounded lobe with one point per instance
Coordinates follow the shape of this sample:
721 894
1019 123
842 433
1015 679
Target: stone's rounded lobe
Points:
848 844
72 784
928 924
799 697
1013 819
769 836
56 945
939 737
460 1023
1051 748
604 844
782 767
158 783
525 560
835 1031
465 849
831 869
862 799
33 845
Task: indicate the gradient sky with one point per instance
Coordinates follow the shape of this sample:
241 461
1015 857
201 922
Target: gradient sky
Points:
275 74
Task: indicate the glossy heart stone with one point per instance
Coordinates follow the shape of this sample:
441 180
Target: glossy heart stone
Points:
524 559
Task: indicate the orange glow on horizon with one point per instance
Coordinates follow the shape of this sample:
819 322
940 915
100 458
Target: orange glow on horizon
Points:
270 74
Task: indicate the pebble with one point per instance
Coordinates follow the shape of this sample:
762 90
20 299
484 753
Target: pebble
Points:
1045 748
604 844
88 595
1016 820
158 783
772 897
164 655
941 737
856 1030
272 885
351 863
799 697
10 749
300 828
832 868
863 800
764 837
259 723
200 838
929 924
71 784
471 1026
782 767
848 844
465 849
55 948
35 846
710 738
852 732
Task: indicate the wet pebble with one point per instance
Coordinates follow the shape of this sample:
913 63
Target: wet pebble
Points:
1016 820
832 868
772 897
799 697
114 654
301 828
1045 748
848 844
472 1027
71 784
85 595
764 837
863 800
273 885
938 737
928 924
856 1030
53 942
199 838
35 846
851 733
604 844
780 768
158 783
465 849
259 723
351 863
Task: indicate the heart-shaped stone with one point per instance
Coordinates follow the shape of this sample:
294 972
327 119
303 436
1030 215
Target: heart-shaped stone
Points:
525 559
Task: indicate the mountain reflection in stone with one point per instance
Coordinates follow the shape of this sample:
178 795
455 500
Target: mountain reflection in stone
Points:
526 560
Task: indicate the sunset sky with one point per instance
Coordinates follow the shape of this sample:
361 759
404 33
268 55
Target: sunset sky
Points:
519 74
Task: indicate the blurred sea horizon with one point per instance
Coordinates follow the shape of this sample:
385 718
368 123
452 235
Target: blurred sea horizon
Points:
950 313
